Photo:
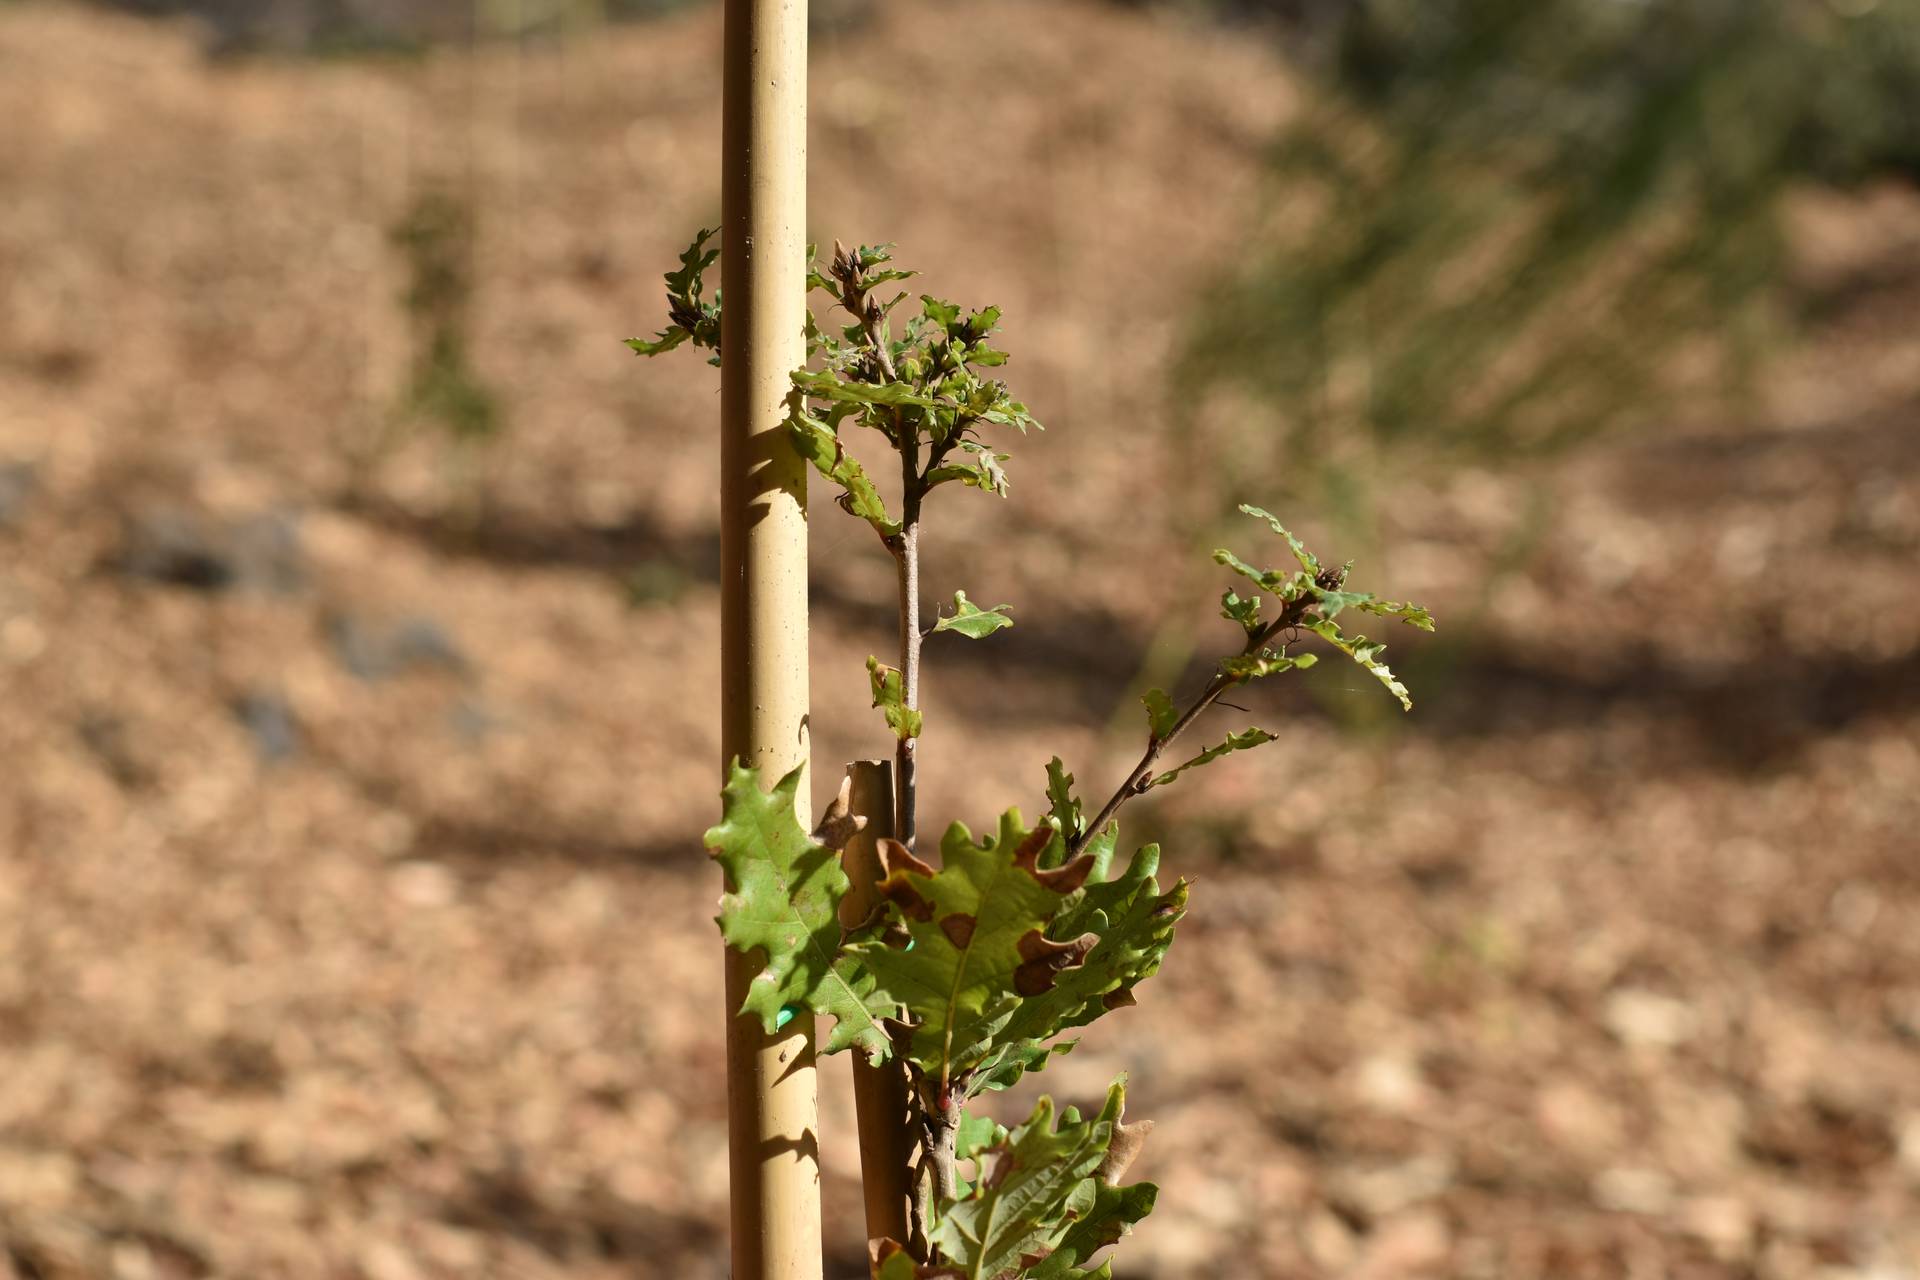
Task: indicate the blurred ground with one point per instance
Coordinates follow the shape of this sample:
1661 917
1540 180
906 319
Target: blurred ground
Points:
352 921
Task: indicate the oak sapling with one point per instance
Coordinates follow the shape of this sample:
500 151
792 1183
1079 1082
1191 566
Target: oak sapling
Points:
970 972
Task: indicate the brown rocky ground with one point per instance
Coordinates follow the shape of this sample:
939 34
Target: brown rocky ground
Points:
351 916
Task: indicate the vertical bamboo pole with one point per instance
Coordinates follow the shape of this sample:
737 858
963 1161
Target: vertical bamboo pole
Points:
879 1092
772 1109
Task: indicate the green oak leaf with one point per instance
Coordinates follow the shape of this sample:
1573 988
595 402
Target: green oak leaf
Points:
1411 614
1064 812
1161 713
690 316
783 892
984 472
1308 561
1115 1211
1235 742
979 941
667 339
694 260
1251 666
970 620
815 441
889 694
1034 1185
820 341
1008 412
1363 651
891 1261
975 1134
1062 806
1244 610
1100 846
1011 1059
982 322
1332 602
818 279
1283 585
1133 922
826 385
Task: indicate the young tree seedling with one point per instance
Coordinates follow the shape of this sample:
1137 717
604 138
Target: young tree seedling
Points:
966 975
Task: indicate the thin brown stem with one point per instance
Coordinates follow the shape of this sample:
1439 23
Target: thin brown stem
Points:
1140 780
883 1100
905 545
907 558
918 1213
943 1132
906 790
937 1125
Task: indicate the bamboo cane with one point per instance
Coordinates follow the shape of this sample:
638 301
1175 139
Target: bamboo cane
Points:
879 1092
772 1110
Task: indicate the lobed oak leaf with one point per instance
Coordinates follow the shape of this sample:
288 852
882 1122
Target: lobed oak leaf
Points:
1244 610
1038 1197
1161 713
970 620
783 894
817 442
890 1260
1308 561
1365 652
890 695
978 941
1132 923
1241 741
1251 666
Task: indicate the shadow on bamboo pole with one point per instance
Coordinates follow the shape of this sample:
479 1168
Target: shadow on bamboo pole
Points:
773 1124
879 1092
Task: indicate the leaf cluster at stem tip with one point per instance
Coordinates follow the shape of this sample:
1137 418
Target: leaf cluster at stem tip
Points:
690 317
923 391
1322 591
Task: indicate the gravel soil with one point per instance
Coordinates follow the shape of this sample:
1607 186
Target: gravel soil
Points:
352 916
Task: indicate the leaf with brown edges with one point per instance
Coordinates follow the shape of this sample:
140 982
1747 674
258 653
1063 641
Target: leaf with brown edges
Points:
980 944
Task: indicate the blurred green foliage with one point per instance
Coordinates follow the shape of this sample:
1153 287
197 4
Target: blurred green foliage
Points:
437 239
1499 226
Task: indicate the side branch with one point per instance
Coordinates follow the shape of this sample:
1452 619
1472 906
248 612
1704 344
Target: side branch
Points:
1140 780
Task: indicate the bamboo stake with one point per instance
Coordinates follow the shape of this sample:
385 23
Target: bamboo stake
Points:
879 1091
772 1108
